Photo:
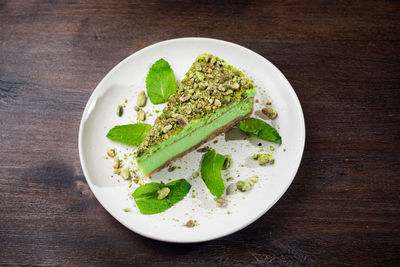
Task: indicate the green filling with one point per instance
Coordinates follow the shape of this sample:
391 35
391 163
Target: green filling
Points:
193 133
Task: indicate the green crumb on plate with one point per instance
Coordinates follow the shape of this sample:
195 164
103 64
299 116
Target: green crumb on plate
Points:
265 158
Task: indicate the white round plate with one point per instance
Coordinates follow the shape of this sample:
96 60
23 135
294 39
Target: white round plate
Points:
128 78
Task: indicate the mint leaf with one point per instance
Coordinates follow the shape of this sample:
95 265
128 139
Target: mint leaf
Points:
251 125
146 196
131 134
211 167
261 129
270 134
179 189
160 82
152 205
146 190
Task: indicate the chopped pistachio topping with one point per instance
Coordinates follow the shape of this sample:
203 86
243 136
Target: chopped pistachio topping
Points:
210 84
255 156
120 110
163 193
141 116
171 168
271 113
191 223
117 163
243 186
227 162
127 209
125 173
141 100
253 179
240 185
221 202
111 152
265 158
231 189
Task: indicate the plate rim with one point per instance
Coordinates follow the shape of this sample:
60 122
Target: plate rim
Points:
215 236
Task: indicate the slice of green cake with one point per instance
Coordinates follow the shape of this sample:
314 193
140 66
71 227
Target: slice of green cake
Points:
210 100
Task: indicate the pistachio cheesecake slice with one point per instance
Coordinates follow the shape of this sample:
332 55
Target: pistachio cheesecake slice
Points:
210 100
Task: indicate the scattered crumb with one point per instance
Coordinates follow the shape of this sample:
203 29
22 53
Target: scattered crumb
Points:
111 152
221 202
191 223
270 113
171 168
204 149
120 110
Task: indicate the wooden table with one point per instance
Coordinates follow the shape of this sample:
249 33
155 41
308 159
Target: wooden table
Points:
341 57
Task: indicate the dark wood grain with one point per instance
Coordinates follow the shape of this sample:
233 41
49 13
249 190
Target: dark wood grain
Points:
342 58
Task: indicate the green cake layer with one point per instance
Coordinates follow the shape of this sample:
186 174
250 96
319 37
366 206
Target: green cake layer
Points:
211 96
